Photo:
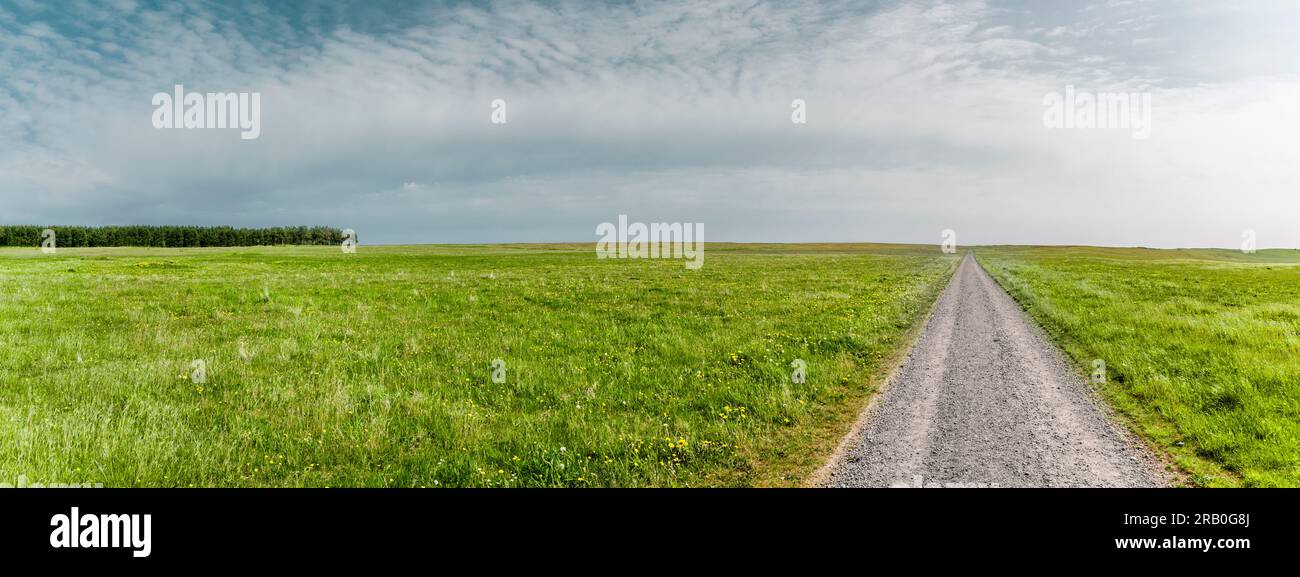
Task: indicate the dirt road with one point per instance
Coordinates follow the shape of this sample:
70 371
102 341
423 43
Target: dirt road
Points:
983 399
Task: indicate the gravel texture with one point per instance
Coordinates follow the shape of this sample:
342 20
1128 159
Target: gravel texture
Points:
983 399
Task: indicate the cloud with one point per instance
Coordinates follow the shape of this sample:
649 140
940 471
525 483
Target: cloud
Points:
921 116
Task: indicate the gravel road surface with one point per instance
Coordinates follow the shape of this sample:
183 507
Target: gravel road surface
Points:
983 399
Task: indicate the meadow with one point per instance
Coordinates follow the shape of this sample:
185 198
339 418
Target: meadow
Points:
1201 347
305 366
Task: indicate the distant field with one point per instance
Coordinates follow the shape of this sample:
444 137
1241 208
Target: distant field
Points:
1202 346
374 369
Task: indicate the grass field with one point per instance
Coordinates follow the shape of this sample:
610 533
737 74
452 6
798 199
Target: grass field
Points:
375 369
1202 347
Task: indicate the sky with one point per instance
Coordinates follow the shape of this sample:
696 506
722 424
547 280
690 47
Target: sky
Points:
920 117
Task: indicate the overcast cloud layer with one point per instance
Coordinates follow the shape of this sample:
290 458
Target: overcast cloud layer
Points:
922 116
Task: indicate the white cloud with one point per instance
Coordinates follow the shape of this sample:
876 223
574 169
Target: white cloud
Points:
920 117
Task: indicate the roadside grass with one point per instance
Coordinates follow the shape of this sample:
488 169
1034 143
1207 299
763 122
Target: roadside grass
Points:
1201 346
375 369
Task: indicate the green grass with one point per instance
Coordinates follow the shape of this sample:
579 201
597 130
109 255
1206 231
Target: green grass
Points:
373 369
1202 347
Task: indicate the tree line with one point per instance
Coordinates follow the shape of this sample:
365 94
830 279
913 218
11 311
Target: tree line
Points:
169 236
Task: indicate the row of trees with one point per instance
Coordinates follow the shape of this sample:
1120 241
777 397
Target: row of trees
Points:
169 236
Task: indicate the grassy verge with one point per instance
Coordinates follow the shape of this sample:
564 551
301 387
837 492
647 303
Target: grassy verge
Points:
1200 347
375 369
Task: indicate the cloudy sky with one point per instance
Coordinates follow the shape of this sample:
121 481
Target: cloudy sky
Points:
921 116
